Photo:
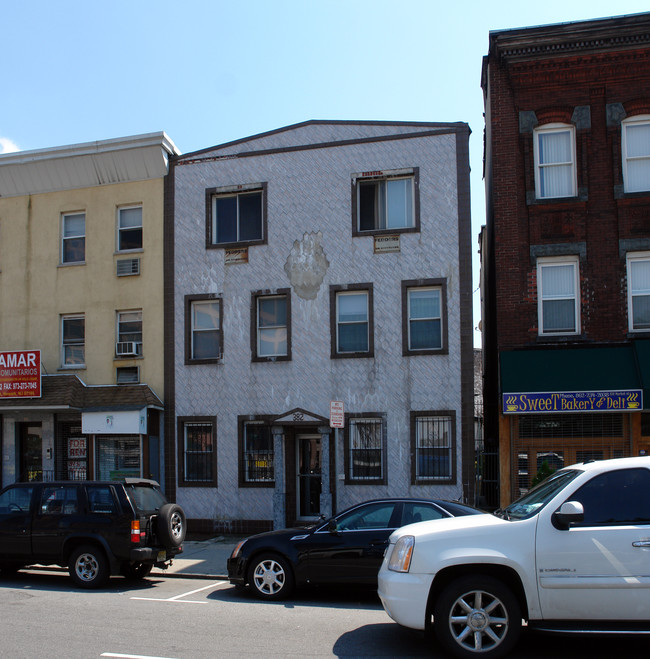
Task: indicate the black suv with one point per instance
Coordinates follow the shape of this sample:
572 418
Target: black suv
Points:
95 528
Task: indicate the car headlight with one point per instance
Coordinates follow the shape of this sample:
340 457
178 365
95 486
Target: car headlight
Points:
400 559
236 551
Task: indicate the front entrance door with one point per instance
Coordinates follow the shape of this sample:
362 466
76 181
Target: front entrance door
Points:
30 452
309 484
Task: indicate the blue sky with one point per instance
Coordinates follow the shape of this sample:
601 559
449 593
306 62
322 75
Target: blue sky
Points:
207 72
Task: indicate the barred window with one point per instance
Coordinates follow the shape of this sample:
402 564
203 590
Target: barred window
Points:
257 453
365 450
433 447
198 450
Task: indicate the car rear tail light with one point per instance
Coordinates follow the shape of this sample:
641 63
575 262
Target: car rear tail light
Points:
135 531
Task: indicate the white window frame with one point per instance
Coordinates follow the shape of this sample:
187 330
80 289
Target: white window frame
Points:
632 258
64 362
546 130
382 201
261 329
65 238
118 330
412 321
120 228
632 122
194 304
340 323
541 297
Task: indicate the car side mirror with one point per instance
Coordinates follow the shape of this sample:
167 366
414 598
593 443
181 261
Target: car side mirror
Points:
568 513
332 526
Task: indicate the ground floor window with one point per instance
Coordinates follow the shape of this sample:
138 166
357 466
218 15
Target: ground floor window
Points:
257 455
544 443
433 437
118 456
365 441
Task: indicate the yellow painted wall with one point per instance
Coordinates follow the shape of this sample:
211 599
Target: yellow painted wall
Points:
35 289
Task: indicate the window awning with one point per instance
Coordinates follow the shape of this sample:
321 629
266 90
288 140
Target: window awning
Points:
591 379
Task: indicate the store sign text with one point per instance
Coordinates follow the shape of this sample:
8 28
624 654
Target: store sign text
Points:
20 374
624 400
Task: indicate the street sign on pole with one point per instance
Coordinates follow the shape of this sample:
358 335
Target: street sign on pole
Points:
337 414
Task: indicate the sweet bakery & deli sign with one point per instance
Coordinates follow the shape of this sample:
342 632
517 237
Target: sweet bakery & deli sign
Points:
623 400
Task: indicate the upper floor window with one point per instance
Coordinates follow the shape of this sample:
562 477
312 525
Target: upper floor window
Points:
129 228
555 161
73 341
197 451
636 153
73 238
352 328
558 296
129 333
236 215
385 201
423 312
203 324
433 445
638 291
272 333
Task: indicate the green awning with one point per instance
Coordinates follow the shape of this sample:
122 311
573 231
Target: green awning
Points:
624 370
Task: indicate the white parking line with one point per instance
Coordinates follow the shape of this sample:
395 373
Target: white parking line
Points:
130 656
177 598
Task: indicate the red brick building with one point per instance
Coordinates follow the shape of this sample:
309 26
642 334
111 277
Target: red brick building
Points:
566 247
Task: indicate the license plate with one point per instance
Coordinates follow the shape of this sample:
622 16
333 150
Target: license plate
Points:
162 555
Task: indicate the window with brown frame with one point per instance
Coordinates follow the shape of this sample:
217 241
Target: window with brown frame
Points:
197 451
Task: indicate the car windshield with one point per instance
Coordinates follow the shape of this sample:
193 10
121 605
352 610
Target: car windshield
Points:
145 498
532 502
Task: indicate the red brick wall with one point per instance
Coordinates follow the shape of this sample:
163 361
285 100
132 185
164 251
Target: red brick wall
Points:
553 88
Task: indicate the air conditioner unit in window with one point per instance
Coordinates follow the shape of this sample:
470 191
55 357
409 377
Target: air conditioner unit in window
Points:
126 348
126 267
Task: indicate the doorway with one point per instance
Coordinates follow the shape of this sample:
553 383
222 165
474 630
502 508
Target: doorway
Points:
30 452
308 476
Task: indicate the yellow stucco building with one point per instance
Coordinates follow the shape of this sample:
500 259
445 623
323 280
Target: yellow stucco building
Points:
81 285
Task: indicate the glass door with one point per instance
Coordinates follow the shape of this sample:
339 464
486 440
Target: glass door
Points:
309 475
30 452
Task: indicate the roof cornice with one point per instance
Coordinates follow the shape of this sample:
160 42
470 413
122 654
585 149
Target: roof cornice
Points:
90 164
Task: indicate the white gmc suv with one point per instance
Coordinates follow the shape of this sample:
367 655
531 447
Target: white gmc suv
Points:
572 555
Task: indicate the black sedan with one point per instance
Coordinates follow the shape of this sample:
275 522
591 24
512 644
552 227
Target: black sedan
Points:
347 548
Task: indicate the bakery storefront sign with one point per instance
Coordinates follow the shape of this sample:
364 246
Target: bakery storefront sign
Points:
623 400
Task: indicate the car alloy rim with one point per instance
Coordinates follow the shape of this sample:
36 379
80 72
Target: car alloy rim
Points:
269 577
478 621
87 567
176 524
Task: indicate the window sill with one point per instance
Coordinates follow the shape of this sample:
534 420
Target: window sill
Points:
72 264
425 353
352 355
356 233
124 358
561 338
240 245
199 362
121 252
66 369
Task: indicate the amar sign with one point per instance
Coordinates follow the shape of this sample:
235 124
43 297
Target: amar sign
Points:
20 374
623 400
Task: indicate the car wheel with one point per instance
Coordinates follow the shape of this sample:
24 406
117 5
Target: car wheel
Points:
270 577
136 571
477 616
171 525
88 567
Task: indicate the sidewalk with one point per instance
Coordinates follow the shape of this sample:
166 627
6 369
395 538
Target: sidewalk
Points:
202 558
